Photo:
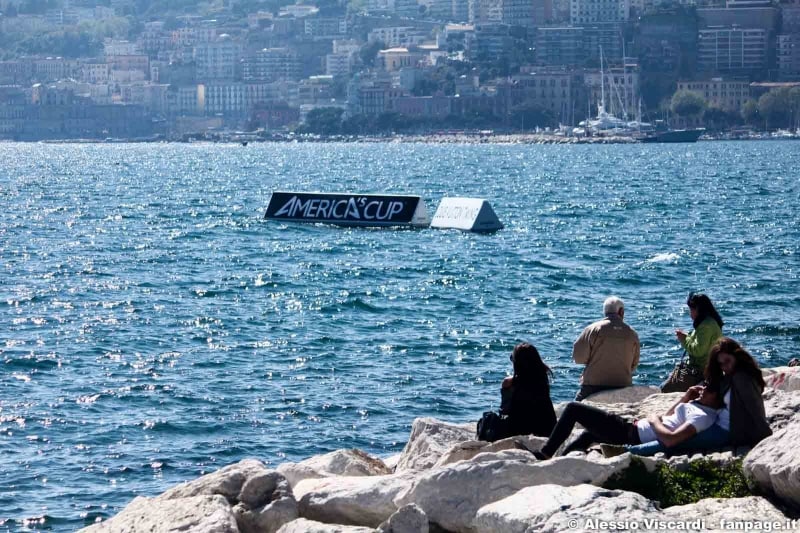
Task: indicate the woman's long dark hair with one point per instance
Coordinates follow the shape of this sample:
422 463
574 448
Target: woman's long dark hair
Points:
704 307
744 362
528 364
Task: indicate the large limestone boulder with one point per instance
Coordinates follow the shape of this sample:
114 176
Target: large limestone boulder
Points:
262 499
716 511
197 514
429 440
408 519
467 450
785 378
633 394
774 464
227 481
552 508
360 501
336 463
780 406
301 525
451 495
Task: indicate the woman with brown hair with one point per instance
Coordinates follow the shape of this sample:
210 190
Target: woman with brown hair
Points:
742 385
742 421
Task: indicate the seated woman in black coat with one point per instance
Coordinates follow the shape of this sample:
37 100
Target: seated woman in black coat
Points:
525 397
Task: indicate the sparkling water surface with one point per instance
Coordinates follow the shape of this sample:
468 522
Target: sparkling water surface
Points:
155 328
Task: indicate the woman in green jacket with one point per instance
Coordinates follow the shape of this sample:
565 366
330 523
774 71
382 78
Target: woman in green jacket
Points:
697 344
707 330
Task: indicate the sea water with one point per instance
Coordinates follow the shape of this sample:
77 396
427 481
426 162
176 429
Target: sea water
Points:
154 327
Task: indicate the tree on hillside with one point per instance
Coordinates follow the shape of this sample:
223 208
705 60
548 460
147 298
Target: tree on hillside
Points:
529 115
369 52
324 121
780 108
750 113
717 118
687 104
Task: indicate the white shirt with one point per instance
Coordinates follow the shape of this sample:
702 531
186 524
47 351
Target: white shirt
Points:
698 415
724 420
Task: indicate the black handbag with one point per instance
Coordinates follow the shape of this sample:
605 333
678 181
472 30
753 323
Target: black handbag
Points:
491 427
683 376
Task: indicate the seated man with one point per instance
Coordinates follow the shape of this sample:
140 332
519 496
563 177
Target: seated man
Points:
696 411
610 350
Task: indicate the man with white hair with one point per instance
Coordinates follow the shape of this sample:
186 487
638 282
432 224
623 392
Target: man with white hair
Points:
610 350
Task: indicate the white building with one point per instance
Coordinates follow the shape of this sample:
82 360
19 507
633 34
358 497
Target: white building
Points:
593 11
95 72
217 60
398 36
718 92
324 27
298 11
789 55
339 64
272 64
731 49
485 12
151 96
346 46
119 48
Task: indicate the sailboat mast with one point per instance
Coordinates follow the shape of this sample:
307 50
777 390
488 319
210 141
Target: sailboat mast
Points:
602 83
624 82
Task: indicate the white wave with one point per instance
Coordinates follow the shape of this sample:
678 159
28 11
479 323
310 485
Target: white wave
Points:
665 257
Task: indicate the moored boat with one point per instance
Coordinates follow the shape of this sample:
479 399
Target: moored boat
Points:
674 136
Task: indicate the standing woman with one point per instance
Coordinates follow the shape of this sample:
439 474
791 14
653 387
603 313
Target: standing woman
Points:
525 397
707 330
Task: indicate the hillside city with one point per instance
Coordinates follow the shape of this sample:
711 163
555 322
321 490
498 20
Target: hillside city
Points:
180 69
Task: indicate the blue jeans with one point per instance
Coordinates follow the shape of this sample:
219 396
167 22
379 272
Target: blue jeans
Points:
713 438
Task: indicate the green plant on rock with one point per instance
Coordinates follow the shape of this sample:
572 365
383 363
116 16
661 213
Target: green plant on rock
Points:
670 486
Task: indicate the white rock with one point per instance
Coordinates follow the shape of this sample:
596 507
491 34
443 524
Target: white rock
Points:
451 495
227 481
392 460
774 464
504 455
408 519
624 395
361 501
780 406
301 525
785 378
197 514
262 499
552 508
429 440
336 463
714 510
469 449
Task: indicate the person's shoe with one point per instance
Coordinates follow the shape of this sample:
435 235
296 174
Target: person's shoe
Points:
612 450
539 455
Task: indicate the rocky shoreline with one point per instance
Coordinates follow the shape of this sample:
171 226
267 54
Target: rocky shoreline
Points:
445 481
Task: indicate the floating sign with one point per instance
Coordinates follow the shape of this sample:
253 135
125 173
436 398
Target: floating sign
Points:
468 214
348 209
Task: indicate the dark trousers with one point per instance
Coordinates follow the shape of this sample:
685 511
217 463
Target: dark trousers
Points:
600 427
